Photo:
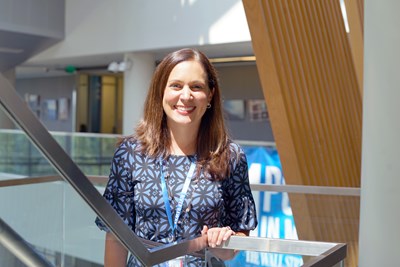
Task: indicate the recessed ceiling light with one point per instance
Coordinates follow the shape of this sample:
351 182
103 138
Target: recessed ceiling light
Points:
10 50
233 59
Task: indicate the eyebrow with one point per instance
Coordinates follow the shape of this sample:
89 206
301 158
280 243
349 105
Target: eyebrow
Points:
195 81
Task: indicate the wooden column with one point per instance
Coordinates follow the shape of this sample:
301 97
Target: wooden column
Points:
313 94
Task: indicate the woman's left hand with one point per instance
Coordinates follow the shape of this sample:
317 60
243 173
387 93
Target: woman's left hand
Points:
217 235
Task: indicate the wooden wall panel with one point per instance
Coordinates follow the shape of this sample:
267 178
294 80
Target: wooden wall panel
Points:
355 14
310 83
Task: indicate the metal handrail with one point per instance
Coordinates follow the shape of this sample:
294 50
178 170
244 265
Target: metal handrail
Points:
325 253
308 189
20 248
295 189
19 112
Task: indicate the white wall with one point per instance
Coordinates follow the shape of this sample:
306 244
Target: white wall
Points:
145 28
103 26
136 84
380 183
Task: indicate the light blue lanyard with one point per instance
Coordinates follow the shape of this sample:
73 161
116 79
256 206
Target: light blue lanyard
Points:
181 198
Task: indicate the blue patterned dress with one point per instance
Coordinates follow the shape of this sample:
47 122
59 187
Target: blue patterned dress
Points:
134 191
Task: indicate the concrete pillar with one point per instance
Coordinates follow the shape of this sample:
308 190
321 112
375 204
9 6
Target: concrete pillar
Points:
5 121
380 175
136 83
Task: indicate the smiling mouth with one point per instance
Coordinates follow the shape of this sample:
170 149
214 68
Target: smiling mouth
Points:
184 109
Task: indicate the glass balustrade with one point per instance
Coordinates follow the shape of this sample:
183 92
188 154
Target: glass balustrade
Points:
47 197
44 209
49 214
20 158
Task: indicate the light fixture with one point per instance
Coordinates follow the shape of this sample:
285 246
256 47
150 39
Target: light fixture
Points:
124 65
113 66
10 50
119 67
233 59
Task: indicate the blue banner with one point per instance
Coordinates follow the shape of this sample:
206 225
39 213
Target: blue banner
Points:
275 216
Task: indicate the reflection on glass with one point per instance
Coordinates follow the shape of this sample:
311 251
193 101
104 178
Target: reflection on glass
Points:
49 215
255 259
20 158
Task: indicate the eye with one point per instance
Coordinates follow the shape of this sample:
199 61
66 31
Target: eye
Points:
175 86
197 87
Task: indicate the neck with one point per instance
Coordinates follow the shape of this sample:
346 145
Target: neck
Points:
183 141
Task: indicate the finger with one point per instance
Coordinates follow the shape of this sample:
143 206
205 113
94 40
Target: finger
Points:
212 235
205 230
228 233
224 234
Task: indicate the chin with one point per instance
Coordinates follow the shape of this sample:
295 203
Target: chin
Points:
183 122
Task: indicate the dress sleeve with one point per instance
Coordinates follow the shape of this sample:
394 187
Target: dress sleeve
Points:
239 203
119 189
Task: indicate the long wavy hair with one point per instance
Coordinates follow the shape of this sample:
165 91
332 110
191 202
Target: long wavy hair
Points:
212 148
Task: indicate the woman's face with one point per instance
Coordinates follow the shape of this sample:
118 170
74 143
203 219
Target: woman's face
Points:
186 94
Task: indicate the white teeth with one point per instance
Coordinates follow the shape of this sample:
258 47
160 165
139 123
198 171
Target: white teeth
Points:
185 108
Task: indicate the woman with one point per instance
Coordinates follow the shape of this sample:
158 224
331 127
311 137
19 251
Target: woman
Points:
179 175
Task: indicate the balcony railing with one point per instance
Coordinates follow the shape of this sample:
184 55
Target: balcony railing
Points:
50 205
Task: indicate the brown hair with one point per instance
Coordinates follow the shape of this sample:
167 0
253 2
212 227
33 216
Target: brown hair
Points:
212 141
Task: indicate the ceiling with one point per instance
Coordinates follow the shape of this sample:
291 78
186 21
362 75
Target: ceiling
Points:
16 47
98 63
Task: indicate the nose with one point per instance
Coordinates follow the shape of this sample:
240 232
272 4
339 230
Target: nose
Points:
186 93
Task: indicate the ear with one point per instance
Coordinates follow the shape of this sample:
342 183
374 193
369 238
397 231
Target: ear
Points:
210 96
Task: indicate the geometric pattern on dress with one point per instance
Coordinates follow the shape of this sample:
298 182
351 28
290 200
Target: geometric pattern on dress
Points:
134 191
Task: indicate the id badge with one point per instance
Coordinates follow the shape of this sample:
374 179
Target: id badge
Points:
171 238
178 262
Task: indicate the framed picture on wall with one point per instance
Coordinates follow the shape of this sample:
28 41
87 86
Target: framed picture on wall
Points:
234 109
257 109
50 109
63 108
33 102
